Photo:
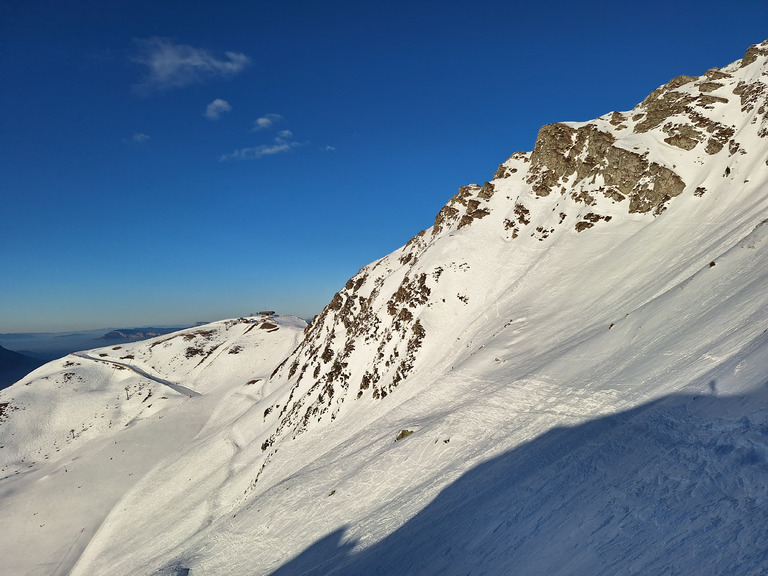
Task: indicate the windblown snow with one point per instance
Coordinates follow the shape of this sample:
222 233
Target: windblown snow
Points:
566 374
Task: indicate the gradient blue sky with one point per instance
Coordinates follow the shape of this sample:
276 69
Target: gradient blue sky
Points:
163 162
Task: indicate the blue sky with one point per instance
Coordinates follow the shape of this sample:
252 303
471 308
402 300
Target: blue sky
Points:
170 162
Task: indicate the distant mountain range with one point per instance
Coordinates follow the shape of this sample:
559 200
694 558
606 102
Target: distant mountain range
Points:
51 345
133 334
14 366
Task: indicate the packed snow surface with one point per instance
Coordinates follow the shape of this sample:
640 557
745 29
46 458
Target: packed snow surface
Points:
565 375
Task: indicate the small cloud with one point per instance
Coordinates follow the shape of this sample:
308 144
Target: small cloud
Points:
215 109
257 152
266 121
138 138
176 65
328 149
283 142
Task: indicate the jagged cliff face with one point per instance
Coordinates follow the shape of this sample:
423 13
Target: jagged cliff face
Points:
622 169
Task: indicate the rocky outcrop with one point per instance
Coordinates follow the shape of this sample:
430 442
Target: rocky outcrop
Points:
754 52
466 206
694 127
354 330
564 158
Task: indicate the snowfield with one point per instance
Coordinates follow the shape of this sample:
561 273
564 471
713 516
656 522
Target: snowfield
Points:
85 430
565 375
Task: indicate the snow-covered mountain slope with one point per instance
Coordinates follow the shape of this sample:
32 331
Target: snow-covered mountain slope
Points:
591 194
79 432
566 374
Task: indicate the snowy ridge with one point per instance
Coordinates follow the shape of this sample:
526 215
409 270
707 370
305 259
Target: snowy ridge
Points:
564 375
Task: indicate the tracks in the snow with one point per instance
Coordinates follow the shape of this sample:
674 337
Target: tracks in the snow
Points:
135 369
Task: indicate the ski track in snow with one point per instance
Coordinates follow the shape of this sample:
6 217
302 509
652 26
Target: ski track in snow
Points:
141 372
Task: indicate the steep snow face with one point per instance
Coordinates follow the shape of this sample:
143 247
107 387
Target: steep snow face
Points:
589 194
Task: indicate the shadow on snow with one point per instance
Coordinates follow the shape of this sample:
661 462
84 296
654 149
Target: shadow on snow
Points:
676 486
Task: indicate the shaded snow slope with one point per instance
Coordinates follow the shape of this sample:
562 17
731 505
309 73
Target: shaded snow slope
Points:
565 375
674 486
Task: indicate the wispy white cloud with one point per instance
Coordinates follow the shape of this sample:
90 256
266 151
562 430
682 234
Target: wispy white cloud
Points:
266 121
138 138
328 148
283 142
172 65
215 109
